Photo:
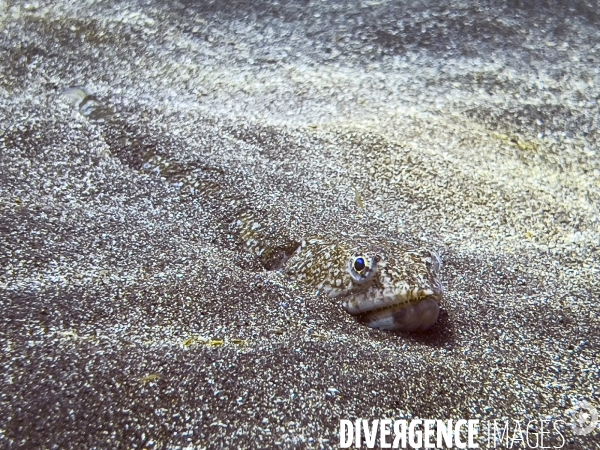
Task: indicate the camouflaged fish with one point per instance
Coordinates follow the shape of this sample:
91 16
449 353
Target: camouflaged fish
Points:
387 285
390 284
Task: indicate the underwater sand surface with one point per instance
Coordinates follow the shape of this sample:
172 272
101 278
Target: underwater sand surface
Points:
132 318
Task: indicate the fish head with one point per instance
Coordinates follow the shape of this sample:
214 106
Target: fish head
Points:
388 286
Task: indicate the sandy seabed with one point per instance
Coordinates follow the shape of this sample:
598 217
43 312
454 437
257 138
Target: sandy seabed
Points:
130 319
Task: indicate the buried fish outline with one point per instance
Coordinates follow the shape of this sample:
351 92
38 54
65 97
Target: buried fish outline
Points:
387 284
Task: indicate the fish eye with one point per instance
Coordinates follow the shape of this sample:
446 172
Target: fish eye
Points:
362 268
359 264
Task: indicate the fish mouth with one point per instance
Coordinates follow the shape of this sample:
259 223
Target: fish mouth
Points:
415 314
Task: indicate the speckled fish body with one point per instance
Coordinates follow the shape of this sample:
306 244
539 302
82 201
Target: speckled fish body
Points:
396 287
388 283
